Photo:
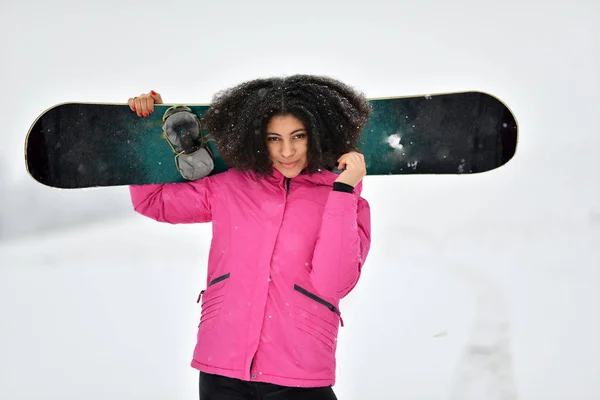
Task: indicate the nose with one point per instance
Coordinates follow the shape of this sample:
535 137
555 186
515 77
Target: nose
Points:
287 149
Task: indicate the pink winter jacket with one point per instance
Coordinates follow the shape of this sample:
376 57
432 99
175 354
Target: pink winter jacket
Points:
283 254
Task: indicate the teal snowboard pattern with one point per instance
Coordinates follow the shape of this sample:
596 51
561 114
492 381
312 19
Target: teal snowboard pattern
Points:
79 145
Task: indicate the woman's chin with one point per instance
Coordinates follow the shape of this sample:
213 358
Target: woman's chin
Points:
289 173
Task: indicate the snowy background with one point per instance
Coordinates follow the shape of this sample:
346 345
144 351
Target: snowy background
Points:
477 287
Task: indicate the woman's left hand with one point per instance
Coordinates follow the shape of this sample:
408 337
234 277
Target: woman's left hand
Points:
355 168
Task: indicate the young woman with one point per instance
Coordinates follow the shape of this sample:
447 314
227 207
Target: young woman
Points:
291 233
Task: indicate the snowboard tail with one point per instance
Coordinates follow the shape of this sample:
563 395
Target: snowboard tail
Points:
79 145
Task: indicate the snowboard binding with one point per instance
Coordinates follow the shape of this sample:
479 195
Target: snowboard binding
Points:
182 130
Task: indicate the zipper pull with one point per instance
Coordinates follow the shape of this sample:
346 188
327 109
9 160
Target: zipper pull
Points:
339 314
200 296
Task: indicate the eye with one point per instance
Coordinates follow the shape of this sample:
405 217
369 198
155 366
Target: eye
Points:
272 138
300 136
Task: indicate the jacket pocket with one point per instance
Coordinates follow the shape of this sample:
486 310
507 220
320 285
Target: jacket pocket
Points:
219 279
318 318
318 299
212 298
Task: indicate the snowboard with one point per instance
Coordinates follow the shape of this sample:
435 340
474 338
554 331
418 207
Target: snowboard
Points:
81 145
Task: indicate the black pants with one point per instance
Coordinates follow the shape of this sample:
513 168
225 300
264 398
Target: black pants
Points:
216 387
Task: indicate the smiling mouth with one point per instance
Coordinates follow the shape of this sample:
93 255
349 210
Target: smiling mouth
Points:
289 165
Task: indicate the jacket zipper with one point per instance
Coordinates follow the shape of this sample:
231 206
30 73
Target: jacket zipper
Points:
212 282
320 300
287 190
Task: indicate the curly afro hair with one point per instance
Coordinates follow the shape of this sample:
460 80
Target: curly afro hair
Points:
333 113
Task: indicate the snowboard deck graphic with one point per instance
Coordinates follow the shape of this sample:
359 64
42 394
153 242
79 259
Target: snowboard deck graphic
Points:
80 145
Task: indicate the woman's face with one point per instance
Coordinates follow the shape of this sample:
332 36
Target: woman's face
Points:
287 142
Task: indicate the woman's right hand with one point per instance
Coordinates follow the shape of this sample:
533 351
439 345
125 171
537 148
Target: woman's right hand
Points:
143 104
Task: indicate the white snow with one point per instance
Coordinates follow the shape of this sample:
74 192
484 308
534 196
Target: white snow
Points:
479 286
394 141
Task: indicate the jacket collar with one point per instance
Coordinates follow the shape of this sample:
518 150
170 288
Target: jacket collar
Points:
324 177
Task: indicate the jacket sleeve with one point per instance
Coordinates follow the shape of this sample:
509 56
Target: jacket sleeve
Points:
342 245
175 203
